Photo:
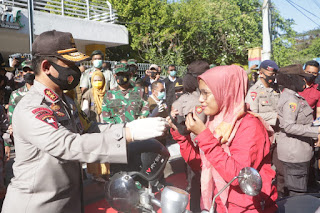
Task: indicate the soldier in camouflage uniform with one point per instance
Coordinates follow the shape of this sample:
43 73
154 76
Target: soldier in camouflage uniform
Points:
16 95
125 103
135 80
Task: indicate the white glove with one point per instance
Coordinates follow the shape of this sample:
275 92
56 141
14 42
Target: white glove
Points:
160 108
147 128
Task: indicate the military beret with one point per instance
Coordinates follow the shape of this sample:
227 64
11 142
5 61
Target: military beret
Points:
132 62
121 67
26 63
269 65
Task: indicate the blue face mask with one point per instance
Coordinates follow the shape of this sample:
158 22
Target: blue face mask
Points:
173 73
161 95
97 63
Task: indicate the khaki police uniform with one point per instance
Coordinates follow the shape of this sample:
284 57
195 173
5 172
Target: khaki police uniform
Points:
49 146
294 142
263 101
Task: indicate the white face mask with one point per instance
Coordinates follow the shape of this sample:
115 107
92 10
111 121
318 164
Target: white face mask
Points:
97 63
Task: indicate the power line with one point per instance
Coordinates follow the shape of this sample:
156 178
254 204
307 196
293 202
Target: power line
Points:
302 12
304 9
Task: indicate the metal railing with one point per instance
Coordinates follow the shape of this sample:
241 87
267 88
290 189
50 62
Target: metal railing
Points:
83 9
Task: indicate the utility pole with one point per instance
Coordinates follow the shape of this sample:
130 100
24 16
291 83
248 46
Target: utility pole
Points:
30 17
266 29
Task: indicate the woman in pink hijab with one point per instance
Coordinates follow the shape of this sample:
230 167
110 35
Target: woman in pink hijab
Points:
231 139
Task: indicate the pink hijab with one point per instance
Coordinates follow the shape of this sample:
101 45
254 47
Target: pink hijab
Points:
228 84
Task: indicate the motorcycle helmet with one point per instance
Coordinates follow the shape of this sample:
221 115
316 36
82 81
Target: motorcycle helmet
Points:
146 162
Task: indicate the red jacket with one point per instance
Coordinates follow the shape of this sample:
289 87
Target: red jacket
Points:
249 148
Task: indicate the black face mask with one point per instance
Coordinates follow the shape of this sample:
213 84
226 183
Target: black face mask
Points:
29 78
68 77
122 79
270 80
310 79
153 74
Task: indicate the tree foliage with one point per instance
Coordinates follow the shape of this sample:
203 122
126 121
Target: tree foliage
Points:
219 31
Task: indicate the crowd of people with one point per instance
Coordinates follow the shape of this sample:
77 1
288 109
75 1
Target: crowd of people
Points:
58 114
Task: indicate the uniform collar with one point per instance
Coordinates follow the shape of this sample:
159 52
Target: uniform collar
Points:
291 92
48 93
261 85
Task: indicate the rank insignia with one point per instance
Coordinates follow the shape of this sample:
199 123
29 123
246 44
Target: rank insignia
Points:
46 115
51 95
199 109
253 95
293 106
55 107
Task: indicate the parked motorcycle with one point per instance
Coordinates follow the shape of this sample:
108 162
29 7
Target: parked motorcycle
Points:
131 188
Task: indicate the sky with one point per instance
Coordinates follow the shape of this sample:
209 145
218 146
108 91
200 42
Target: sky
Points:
302 23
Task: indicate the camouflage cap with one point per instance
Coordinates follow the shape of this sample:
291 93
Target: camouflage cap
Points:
132 62
26 64
121 67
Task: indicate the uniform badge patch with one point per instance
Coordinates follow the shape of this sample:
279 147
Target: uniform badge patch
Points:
253 95
55 107
51 95
46 115
293 106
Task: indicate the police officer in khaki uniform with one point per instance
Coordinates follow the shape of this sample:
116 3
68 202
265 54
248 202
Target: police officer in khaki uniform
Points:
262 96
295 140
263 99
49 136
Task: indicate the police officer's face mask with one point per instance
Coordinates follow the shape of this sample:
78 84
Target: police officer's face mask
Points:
269 79
29 78
69 77
122 79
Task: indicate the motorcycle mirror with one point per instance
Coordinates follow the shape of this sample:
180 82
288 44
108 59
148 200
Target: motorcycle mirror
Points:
174 200
250 181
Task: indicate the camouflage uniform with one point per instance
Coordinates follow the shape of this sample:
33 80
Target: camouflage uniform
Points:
124 106
15 97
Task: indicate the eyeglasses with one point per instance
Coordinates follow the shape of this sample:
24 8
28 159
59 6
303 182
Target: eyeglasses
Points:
205 94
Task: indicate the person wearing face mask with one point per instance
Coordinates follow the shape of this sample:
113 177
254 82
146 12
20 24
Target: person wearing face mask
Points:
97 61
263 95
91 105
295 141
92 98
169 83
16 95
152 75
124 103
311 93
50 140
156 105
263 98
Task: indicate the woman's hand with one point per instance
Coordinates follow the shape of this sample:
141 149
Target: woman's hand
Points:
174 113
171 123
194 124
